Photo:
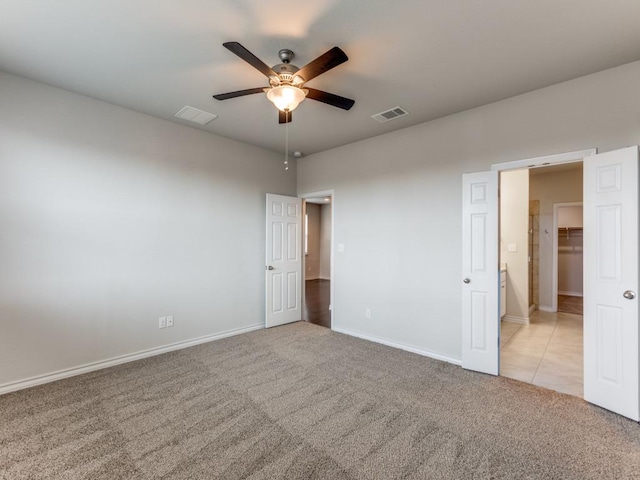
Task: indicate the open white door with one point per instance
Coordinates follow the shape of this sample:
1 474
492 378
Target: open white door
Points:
283 260
480 272
611 281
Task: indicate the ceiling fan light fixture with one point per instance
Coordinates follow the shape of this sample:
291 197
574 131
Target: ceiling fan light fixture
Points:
287 82
286 97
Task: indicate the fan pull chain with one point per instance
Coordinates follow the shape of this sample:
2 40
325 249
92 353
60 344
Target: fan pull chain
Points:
286 142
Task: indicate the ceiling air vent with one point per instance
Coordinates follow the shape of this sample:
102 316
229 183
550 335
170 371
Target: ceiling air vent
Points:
196 116
390 114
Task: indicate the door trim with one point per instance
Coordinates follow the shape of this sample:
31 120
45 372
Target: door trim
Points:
547 160
322 193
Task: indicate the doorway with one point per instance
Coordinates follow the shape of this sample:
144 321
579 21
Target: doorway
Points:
541 344
611 347
318 214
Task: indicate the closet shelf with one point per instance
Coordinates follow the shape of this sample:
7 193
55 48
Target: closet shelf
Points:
568 231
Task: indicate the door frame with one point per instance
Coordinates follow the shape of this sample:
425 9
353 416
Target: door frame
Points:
322 193
554 253
537 162
546 161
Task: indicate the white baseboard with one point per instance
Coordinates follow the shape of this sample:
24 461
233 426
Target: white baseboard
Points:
110 362
570 294
514 319
546 308
324 278
306 279
532 308
388 343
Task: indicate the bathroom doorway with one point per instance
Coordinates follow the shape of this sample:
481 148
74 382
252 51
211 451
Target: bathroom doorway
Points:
540 343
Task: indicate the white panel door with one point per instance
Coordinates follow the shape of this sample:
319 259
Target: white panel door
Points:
284 263
611 281
480 273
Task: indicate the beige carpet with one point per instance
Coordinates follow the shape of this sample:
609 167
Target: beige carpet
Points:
303 402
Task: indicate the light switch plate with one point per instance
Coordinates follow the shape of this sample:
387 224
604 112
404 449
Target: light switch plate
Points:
513 247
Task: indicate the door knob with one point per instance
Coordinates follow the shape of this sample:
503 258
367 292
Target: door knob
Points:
629 295
466 280
269 267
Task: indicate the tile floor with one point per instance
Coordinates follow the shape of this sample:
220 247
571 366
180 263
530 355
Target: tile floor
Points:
547 352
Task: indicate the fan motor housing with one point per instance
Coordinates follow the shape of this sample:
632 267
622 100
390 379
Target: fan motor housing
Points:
286 73
285 68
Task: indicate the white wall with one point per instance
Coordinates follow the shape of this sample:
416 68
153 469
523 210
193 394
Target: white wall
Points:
570 216
325 242
312 258
570 264
514 227
570 256
398 208
550 188
110 219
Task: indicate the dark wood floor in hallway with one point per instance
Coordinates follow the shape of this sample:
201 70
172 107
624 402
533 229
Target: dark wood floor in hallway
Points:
317 297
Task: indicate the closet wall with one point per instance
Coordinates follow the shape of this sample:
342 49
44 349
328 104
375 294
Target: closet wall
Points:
570 264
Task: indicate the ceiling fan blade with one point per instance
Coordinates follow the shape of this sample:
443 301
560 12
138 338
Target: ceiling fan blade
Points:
249 57
239 93
323 63
284 117
330 99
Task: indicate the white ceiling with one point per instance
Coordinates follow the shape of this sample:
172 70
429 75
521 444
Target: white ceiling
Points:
432 57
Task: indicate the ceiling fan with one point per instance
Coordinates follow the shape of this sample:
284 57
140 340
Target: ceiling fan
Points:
287 82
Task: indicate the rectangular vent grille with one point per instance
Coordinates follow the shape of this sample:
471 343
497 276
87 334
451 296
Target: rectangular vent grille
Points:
390 114
196 116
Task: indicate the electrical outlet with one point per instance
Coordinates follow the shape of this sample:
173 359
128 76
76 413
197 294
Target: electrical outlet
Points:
162 322
367 313
170 321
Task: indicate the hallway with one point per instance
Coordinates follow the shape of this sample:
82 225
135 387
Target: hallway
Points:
316 306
